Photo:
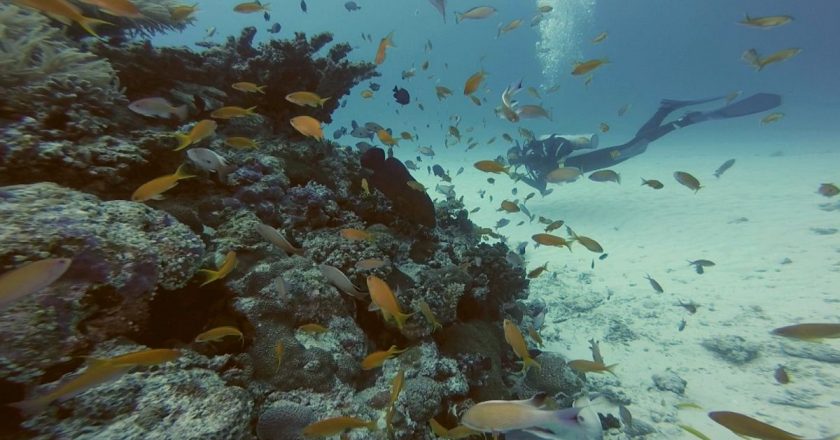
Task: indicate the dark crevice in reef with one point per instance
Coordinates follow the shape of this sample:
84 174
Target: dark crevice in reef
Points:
177 316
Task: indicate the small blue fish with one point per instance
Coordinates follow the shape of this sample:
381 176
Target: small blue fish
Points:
303 5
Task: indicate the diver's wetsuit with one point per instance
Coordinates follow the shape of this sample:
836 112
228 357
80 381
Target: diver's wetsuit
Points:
542 156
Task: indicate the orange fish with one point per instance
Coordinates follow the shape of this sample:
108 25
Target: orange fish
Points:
384 44
64 12
117 8
153 189
356 234
585 366
474 82
201 130
240 142
30 278
308 126
386 138
551 240
517 342
224 269
377 358
490 166
382 296
313 328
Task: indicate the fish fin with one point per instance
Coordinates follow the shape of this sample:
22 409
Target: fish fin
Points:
529 362
184 141
32 406
181 112
182 174
87 24
211 275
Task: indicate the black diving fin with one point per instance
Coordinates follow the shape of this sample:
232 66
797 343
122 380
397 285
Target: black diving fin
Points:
754 104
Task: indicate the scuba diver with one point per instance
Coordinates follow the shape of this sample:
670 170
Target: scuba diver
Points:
541 156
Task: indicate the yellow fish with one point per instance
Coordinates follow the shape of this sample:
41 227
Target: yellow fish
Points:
766 22
30 278
279 349
219 333
382 296
551 240
356 234
143 357
336 425
585 366
377 358
224 269
153 189
585 67
514 337
772 117
240 142
746 426
201 130
90 378
426 310
365 186
182 13
367 93
599 38
415 185
313 328
308 126
250 7
231 112
249 87
306 99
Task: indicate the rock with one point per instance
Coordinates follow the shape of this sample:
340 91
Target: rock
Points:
732 348
817 352
123 252
284 420
669 381
169 402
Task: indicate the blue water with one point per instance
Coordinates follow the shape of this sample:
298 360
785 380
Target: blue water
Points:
656 48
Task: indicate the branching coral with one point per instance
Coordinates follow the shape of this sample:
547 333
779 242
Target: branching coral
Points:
283 66
47 78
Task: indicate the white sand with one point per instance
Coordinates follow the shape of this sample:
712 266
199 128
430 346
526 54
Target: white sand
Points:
748 293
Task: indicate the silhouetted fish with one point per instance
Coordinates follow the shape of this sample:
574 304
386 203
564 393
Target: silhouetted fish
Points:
401 95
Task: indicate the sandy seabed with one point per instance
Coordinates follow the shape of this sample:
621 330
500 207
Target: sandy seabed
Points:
777 252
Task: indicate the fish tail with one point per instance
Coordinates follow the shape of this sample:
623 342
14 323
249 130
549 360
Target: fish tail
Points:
322 101
372 426
181 112
87 24
250 110
390 40
644 182
401 318
458 17
32 406
261 89
184 141
211 275
182 174
529 362
610 368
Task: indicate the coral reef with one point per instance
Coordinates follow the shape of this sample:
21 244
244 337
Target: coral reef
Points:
122 254
67 92
283 66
